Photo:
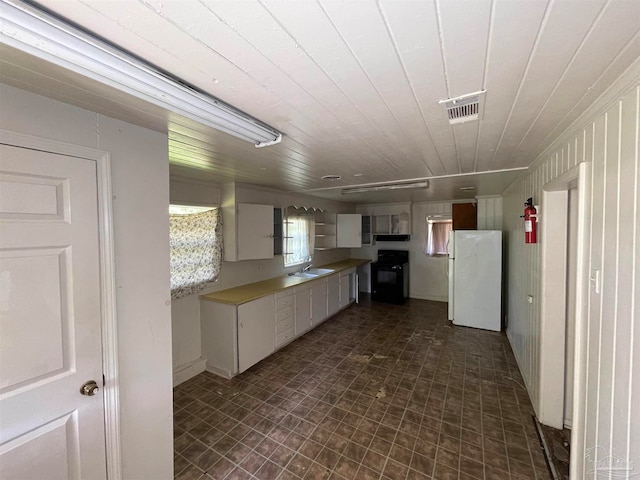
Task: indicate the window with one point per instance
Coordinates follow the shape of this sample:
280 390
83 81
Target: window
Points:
195 240
438 229
299 238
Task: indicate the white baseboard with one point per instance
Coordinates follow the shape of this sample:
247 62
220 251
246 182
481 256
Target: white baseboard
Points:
188 370
534 402
431 298
218 371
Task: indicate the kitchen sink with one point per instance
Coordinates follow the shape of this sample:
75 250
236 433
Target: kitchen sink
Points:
313 272
319 271
305 275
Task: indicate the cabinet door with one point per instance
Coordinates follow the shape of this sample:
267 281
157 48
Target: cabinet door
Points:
318 302
367 237
464 216
278 235
333 294
344 290
255 231
256 331
303 311
349 230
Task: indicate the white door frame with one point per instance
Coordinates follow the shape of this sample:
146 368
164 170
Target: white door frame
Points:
553 229
107 282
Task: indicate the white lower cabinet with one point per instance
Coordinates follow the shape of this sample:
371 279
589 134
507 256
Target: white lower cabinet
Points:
348 287
344 290
236 337
256 331
285 317
318 302
333 294
219 333
303 309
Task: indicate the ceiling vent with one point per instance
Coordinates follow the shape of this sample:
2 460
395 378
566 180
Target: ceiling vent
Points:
465 108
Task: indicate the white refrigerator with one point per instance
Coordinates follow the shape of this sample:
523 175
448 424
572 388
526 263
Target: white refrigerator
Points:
475 278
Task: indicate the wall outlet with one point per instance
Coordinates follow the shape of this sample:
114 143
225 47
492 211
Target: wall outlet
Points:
595 280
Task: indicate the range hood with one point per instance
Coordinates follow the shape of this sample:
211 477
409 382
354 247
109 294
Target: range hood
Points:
392 237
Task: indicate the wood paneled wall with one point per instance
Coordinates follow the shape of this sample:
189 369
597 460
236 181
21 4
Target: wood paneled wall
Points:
489 212
609 427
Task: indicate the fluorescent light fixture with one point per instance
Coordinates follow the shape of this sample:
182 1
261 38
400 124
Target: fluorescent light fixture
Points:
32 31
386 186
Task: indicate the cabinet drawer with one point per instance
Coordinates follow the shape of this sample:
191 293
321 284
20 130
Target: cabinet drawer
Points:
284 300
284 324
284 337
285 312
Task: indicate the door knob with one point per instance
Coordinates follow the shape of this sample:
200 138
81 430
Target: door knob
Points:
89 388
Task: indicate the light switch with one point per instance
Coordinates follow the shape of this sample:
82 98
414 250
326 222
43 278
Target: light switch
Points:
530 298
595 280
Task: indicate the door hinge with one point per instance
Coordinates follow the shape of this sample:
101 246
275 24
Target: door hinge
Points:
104 380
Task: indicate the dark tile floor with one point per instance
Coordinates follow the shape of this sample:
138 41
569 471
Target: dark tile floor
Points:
377 392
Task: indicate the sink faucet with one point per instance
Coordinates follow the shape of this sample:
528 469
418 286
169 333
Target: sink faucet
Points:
307 268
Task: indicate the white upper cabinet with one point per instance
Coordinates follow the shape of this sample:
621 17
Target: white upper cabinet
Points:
254 234
388 219
255 231
349 230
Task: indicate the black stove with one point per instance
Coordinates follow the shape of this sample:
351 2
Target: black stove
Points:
390 276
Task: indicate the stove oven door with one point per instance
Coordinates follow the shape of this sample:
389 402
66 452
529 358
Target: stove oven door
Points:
387 282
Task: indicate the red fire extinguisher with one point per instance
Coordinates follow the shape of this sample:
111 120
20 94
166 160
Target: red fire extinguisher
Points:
530 222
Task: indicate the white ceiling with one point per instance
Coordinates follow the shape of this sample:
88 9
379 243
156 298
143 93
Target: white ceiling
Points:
354 85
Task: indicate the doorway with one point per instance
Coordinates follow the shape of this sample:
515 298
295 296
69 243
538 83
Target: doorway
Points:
570 317
564 223
59 344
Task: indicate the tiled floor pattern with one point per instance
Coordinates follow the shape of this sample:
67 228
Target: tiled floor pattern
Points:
377 392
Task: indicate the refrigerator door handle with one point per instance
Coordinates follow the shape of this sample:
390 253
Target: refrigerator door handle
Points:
451 276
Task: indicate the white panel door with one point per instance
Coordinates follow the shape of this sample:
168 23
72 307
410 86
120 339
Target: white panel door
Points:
50 318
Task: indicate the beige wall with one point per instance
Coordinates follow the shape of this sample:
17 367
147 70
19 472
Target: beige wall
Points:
610 422
429 276
489 212
140 183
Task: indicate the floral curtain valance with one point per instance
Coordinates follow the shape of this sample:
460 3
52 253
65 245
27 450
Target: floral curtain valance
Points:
196 251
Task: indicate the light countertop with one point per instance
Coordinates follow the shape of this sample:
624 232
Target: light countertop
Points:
253 291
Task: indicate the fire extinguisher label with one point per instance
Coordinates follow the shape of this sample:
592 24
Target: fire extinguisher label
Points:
528 226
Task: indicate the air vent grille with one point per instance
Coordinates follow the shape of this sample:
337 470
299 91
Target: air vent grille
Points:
458 112
466 108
